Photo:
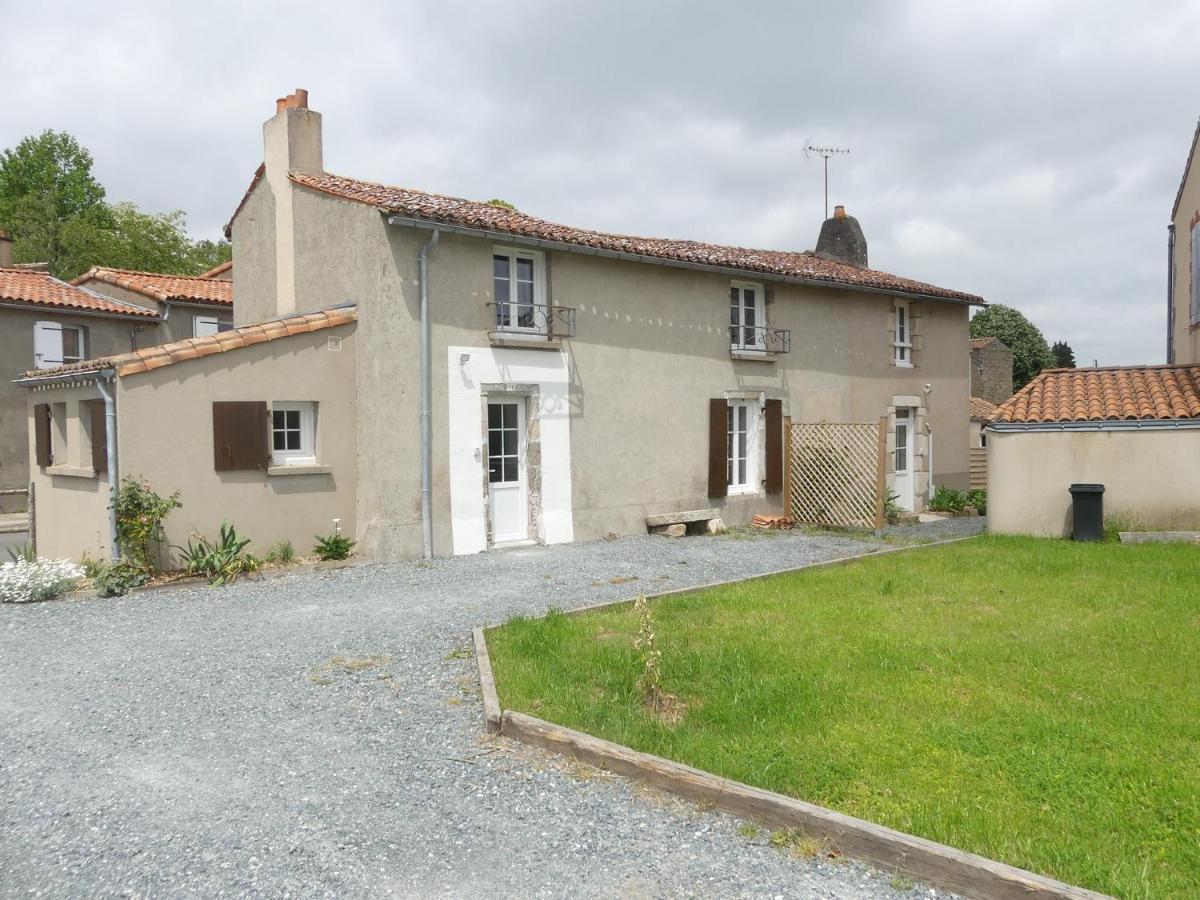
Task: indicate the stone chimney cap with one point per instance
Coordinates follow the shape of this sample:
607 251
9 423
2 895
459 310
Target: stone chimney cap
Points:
842 240
298 99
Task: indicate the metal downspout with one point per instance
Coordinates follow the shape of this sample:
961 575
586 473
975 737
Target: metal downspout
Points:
426 402
110 429
929 488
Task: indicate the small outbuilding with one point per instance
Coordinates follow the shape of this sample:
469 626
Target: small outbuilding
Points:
1135 430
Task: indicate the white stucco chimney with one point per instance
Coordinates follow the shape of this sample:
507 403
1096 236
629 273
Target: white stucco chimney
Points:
291 143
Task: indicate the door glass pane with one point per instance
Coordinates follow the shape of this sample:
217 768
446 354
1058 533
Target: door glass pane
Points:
510 415
500 288
510 468
495 443
494 472
493 416
901 447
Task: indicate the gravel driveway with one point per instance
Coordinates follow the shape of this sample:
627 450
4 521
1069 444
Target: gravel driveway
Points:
320 735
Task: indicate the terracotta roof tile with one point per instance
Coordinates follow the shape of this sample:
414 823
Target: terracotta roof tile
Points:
225 268
980 408
36 288
980 343
1133 393
194 348
163 287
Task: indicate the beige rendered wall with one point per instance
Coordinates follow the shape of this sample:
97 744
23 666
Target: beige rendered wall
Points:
179 324
104 336
165 431
71 499
254 257
1186 336
651 349
1149 477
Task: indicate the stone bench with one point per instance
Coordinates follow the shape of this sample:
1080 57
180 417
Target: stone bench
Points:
677 524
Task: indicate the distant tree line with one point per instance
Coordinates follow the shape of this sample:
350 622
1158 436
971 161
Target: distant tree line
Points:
57 213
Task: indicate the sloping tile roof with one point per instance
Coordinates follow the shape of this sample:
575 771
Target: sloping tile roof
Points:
980 343
41 289
1187 168
194 348
257 177
163 287
474 214
980 408
1130 393
218 271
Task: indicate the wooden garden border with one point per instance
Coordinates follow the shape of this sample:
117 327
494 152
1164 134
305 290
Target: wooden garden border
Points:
936 864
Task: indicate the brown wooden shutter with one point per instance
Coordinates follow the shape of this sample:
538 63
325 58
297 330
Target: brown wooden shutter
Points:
99 431
718 451
41 433
774 415
240 435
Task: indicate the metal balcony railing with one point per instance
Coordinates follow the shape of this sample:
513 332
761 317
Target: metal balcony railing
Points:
550 322
759 339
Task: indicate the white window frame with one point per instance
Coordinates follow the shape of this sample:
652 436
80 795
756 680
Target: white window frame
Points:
48 344
306 454
206 326
539 291
752 483
902 343
759 344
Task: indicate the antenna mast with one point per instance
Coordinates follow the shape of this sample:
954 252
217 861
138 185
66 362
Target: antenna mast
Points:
825 153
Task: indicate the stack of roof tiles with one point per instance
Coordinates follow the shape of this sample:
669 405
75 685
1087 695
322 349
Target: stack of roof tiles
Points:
1130 393
26 286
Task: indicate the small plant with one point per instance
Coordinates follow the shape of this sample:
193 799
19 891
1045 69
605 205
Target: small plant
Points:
23 581
220 561
977 497
281 552
892 509
948 499
22 553
649 682
140 514
91 566
333 546
116 579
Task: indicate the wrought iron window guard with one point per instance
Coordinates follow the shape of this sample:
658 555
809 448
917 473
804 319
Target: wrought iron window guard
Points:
550 322
759 339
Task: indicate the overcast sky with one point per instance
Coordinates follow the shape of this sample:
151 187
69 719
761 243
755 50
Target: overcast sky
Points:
1027 151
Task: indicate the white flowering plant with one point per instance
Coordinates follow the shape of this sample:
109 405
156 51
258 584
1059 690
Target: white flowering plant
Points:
23 581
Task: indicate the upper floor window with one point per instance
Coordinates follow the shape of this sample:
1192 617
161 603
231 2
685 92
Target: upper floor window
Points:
902 342
293 434
57 345
203 326
747 320
519 290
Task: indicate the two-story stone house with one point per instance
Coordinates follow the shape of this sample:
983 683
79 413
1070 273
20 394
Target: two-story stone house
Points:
444 375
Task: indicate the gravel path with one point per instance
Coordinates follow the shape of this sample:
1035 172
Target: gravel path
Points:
320 735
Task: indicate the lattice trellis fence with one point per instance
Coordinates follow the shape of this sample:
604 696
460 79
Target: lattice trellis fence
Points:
836 473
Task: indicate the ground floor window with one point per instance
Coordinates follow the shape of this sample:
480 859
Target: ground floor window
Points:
293 434
741 456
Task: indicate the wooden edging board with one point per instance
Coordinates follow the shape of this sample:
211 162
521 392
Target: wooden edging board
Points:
934 863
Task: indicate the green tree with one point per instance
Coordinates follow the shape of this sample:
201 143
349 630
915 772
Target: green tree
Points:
45 182
123 236
1064 356
1031 353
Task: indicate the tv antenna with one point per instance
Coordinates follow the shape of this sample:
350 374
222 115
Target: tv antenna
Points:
825 153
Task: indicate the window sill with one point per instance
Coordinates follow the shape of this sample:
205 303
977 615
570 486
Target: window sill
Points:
273 471
71 471
524 340
752 355
744 491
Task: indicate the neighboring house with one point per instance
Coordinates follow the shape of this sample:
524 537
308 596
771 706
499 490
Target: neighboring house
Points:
188 305
577 381
46 323
1183 266
991 369
981 410
1136 430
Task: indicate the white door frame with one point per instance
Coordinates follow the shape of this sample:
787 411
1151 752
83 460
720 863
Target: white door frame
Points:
508 500
904 479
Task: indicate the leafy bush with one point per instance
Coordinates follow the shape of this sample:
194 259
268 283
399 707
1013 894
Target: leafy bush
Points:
281 552
333 546
115 579
140 514
23 581
222 561
977 497
948 499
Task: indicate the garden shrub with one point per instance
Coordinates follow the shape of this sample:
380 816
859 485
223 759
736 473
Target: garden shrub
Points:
115 579
948 499
220 561
333 546
140 514
23 581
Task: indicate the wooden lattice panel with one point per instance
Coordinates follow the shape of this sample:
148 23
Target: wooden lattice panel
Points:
835 474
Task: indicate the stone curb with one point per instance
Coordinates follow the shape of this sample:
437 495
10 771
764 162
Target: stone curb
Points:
936 864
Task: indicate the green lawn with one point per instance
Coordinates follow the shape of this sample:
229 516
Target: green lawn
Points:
1034 701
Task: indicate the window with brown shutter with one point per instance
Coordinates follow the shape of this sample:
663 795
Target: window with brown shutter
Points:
41 433
240 435
98 431
718 451
774 426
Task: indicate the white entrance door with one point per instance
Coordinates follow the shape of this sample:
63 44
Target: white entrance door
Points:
506 470
902 465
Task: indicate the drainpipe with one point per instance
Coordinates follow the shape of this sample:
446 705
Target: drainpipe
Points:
929 432
1171 293
110 431
426 401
